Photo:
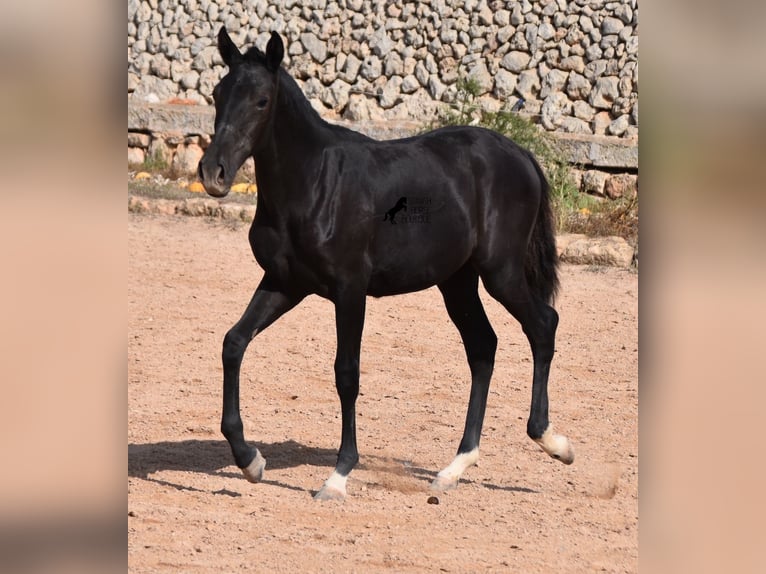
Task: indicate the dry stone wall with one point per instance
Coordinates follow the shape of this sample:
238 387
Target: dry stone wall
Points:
574 62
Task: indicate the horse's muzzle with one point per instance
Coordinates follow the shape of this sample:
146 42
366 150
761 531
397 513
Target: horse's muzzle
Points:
213 177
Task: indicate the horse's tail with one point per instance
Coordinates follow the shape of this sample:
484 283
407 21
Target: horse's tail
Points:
541 266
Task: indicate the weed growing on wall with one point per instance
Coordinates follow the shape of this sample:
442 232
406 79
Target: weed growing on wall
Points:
154 163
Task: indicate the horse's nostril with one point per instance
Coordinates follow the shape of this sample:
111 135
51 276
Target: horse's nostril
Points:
219 176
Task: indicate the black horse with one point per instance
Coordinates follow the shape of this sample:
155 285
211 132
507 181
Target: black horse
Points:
318 229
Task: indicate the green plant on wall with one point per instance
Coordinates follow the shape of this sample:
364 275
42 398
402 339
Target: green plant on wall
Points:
154 163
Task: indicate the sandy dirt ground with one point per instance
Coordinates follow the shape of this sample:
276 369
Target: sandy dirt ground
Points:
191 510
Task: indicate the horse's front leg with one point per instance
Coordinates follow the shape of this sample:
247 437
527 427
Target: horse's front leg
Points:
349 322
266 306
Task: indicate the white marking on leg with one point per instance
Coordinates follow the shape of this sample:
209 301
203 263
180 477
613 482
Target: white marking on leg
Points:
556 445
334 488
254 471
448 478
337 482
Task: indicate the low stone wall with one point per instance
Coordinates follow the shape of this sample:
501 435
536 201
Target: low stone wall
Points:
574 62
179 134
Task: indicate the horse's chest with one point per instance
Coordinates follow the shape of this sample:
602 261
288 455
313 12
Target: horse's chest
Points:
289 258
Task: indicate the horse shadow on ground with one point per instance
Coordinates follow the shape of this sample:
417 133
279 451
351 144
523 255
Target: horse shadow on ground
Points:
213 457
429 475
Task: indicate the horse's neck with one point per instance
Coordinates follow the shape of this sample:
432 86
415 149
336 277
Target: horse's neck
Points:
298 129
298 139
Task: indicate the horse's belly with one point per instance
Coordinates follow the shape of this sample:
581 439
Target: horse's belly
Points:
412 262
385 284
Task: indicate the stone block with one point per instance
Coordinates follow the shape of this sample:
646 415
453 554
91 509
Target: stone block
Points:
186 158
593 182
515 61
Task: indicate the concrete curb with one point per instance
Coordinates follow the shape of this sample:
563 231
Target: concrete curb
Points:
202 207
572 247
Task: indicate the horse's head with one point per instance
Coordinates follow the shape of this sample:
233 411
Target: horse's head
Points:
245 100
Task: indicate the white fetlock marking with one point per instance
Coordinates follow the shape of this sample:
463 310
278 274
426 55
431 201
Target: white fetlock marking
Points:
254 471
336 482
556 445
334 488
457 467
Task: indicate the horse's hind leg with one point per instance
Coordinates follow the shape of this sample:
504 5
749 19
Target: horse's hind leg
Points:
539 321
266 306
461 297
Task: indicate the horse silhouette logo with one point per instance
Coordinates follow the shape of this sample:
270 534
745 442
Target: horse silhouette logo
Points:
391 213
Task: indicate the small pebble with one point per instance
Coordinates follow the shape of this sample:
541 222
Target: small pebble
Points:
432 500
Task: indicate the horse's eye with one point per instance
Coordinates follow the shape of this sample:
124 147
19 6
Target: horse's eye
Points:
262 103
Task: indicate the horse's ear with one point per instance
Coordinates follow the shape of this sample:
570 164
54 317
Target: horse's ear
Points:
275 51
229 52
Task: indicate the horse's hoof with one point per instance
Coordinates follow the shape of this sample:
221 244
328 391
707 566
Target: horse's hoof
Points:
254 471
443 483
557 446
334 488
330 493
566 451
448 478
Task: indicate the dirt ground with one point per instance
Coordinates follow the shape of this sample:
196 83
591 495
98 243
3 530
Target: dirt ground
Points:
191 510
